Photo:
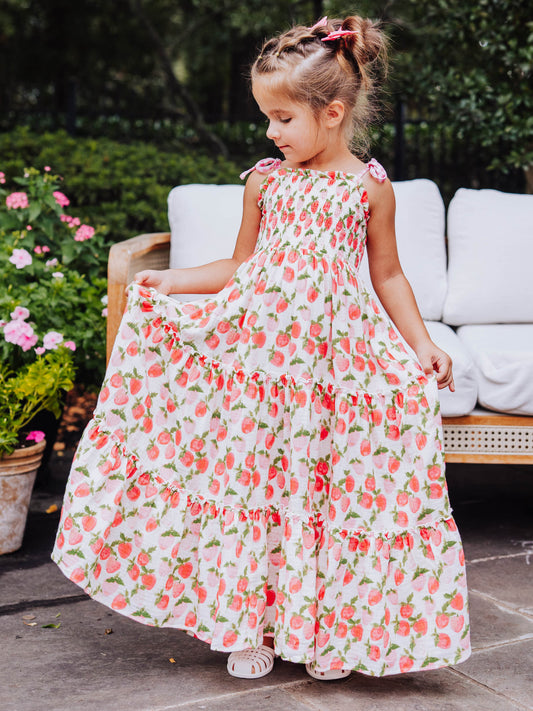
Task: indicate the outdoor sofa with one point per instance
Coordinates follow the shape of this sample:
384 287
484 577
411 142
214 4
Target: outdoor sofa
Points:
472 278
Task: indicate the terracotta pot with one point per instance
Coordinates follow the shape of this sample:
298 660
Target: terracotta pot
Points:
17 476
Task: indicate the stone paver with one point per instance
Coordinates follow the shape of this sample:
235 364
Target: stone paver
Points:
439 690
492 625
506 669
509 580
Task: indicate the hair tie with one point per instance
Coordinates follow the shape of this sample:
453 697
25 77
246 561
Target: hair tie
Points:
337 34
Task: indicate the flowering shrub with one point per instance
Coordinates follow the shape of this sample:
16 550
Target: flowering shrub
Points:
52 301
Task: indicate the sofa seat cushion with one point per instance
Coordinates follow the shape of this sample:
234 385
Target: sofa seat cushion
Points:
463 400
420 219
490 249
204 222
503 359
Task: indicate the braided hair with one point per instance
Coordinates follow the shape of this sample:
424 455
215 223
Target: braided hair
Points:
314 72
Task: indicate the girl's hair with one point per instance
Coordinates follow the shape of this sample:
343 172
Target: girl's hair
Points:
312 72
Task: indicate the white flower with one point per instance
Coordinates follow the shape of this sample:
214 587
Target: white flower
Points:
104 299
58 275
52 340
20 258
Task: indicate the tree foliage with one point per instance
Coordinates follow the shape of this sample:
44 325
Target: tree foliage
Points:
470 65
464 65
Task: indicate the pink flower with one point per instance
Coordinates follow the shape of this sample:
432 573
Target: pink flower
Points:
2 177
20 333
61 199
104 312
29 228
35 436
38 249
70 344
20 258
47 168
46 249
16 200
51 262
20 312
52 340
40 350
84 232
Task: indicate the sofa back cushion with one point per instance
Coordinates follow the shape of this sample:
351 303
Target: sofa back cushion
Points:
490 258
420 236
204 222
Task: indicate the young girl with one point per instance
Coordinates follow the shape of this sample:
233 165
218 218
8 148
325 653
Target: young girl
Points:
264 468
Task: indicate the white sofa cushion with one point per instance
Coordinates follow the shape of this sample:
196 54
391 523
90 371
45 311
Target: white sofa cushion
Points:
421 243
503 358
463 400
490 257
204 221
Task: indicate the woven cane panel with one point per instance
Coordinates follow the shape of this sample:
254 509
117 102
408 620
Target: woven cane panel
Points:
487 439
155 259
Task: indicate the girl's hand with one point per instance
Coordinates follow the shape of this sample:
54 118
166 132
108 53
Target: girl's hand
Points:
161 281
434 360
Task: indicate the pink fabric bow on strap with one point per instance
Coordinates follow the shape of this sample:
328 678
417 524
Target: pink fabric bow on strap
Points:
376 170
337 34
264 166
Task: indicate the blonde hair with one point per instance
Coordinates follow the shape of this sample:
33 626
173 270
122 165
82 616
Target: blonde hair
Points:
312 72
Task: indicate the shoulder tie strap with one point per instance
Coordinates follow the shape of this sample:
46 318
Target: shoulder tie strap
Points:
264 166
376 170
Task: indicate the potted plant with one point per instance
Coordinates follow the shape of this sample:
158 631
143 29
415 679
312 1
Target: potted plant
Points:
50 303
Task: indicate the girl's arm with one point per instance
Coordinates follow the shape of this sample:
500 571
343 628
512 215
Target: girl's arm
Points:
212 277
393 289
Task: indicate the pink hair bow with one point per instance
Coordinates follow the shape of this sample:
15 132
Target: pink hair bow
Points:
337 34
321 23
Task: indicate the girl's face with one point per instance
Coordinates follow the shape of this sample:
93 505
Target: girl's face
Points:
292 126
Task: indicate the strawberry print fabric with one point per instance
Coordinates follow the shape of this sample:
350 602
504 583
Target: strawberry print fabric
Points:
269 460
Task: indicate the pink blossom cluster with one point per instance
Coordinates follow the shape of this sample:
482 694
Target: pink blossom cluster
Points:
2 178
20 258
71 221
16 200
61 199
51 340
41 250
18 331
84 232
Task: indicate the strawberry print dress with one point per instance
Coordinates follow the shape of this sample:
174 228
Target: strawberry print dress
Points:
269 460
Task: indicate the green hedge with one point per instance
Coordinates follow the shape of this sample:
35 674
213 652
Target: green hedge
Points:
122 186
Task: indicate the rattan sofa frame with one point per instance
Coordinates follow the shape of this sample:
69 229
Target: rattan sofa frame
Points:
482 436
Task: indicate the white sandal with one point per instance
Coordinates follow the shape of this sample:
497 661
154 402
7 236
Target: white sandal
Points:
251 663
328 675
